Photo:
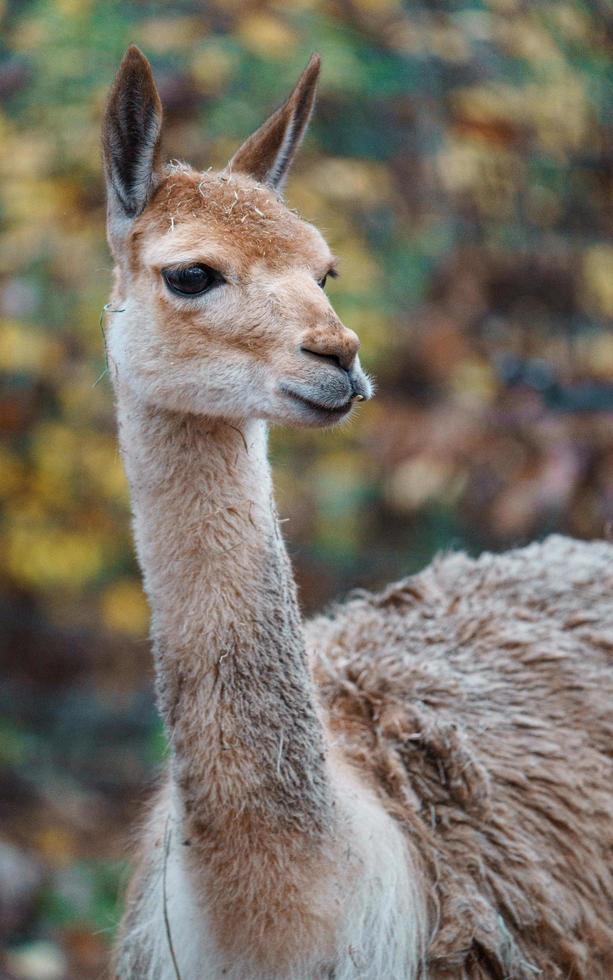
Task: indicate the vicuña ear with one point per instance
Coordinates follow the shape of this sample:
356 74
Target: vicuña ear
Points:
267 154
131 137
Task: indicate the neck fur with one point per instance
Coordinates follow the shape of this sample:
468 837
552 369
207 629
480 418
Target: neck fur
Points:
293 864
233 682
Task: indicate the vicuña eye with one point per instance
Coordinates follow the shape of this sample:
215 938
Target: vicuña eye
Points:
191 280
330 274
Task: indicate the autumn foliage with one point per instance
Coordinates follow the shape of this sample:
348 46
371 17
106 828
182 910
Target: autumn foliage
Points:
460 165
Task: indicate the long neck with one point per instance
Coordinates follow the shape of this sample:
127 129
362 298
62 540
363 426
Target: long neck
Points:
233 682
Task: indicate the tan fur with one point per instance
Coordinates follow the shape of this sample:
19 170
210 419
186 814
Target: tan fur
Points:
436 801
478 695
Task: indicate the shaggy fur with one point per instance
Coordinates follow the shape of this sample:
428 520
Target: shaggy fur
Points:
419 791
478 696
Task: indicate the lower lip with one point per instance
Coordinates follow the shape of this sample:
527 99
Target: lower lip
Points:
321 409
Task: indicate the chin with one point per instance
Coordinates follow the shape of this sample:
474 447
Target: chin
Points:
304 416
322 419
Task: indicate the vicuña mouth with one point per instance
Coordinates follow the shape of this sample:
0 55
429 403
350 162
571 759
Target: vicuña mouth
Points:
318 406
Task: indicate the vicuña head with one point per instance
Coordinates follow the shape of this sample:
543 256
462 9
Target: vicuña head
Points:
221 286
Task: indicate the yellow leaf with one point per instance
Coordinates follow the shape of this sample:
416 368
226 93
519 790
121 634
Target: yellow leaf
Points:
598 279
124 608
56 845
101 462
161 34
73 8
24 348
349 180
44 557
11 473
266 35
473 382
377 6
212 66
29 34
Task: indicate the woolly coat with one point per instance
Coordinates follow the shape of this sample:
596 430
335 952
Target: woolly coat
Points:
477 695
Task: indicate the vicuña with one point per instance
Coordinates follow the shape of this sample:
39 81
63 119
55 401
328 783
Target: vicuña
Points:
414 786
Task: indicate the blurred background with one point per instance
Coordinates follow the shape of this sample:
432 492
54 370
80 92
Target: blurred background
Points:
461 166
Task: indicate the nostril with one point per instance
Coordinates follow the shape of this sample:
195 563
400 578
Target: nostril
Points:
330 358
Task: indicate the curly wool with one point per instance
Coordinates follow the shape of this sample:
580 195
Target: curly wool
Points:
477 697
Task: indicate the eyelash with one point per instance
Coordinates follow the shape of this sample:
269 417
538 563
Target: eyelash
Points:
332 274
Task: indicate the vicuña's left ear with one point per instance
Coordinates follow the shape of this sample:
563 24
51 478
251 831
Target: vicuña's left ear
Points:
267 154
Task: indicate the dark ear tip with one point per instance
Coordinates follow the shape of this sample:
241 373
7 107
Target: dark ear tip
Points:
313 65
133 51
134 58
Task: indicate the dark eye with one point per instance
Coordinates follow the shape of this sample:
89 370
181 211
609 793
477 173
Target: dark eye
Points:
191 280
330 274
